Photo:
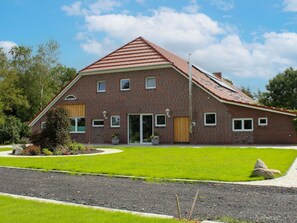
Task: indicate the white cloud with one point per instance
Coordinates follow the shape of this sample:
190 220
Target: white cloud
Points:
95 8
73 9
176 30
223 5
214 46
231 55
192 7
7 45
290 5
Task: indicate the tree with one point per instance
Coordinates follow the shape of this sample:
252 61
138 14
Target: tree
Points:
248 92
281 90
12 130
41 76
56 133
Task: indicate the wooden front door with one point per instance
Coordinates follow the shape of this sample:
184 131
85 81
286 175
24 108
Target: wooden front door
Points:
181 130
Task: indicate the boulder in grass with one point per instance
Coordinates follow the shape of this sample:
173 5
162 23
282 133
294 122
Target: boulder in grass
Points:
261 170
260 164
17 150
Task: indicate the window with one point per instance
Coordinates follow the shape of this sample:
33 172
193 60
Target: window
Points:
98 123
210 119
262 121
150 83
115 121
78 125
125 84
101 86
43 125
70 98
242 124
160 120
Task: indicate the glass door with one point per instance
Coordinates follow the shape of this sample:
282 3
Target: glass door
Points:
134 128
140 128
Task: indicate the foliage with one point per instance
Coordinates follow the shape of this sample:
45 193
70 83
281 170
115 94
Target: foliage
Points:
14 209
56 132
29 78
47 152
115 135
75 148
208 163
248 92
12 130
155 134
281 90
32 150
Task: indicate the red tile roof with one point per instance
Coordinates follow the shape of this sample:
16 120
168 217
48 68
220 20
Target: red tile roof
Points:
141 52
136 53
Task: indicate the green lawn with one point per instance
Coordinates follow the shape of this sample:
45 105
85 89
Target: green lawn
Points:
211 163
24 211
5 149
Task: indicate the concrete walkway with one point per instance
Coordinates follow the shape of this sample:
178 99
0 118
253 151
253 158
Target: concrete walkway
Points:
104 152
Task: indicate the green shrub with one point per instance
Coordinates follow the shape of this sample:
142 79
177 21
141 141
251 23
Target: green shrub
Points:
10 130
47 152
32 150
61 150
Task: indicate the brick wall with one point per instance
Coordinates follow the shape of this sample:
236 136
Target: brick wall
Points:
171 92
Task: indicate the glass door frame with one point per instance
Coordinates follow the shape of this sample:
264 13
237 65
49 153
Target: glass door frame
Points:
141 127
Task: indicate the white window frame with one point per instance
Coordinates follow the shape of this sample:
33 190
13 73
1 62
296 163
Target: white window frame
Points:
94 125
100 91
43 125
210 124
156 123
121 86
112 125
262 124
242 124
146 82
70 98
76 125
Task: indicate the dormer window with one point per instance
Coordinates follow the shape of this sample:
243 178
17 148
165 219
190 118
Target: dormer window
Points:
70 98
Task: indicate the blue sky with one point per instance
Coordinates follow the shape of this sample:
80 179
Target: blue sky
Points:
249 41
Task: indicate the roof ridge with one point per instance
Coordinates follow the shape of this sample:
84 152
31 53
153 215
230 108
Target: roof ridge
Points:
109 54
154 48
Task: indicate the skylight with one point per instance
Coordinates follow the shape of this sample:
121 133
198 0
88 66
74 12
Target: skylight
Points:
215 79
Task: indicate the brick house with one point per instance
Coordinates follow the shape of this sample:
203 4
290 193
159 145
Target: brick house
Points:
141 88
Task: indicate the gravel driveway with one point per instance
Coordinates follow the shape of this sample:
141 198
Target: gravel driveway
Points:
254 203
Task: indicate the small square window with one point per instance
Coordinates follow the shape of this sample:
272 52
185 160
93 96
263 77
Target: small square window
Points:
150 83
125 84
115 121
160 120
210 119
101 86
98 123
237 124
262 121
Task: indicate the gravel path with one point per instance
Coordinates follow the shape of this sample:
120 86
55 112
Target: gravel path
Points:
254 203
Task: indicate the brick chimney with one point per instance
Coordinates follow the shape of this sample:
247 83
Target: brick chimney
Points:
218 75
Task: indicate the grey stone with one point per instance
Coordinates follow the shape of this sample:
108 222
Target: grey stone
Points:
262 172
260 164
17 150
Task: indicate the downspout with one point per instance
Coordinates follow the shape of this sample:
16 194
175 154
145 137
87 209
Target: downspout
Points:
190 97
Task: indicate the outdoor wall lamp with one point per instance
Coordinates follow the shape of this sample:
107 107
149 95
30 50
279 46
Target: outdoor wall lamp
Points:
105 114
167 111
